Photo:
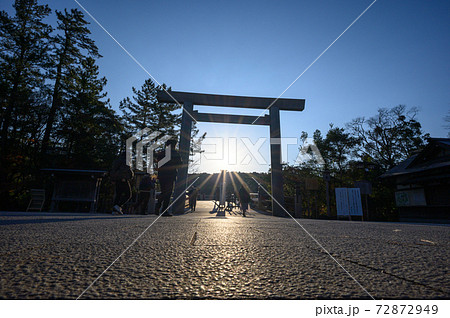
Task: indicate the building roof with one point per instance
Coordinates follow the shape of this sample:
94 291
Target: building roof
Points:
435 155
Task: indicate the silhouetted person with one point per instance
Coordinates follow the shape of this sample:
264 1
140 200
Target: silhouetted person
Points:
244 199
167 175
120 175
231 199
193 193
146 185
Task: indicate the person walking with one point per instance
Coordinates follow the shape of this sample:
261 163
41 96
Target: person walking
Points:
146 186
244 199
167 175
120 175
193 193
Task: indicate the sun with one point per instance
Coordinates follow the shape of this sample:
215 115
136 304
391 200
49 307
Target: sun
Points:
231 148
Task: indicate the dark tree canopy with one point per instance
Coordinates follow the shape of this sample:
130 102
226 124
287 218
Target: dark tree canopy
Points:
143 110
389 137
71 45
24 57
54 110
336 148
89 131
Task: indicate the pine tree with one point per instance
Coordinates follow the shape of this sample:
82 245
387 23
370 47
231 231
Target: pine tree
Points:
71 47
89 130
24 42
144 111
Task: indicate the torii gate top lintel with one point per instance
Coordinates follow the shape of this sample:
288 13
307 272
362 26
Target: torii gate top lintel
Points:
231 101
274 105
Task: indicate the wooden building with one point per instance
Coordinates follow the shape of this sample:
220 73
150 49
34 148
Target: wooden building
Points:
422 183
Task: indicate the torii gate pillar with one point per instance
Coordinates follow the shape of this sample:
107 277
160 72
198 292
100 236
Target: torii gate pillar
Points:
275 159
185 145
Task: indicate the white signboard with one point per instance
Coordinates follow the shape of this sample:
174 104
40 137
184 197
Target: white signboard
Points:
342 201
348 201
354 199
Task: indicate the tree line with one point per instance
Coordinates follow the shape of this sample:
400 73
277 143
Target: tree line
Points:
363 149
55 112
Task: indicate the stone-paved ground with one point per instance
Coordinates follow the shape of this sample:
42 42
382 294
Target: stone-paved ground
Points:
212 255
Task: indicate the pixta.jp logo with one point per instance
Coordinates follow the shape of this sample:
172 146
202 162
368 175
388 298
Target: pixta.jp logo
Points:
148 140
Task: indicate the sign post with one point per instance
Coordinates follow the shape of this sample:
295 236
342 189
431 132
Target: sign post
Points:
348 202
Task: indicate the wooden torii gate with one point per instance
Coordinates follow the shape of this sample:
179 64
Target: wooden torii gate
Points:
272 120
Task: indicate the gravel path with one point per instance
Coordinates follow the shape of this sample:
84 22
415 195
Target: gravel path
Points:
210 255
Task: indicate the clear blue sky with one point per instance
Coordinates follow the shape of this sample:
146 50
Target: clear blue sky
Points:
396 53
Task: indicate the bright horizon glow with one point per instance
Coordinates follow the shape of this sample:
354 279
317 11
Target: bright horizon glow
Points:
224 149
